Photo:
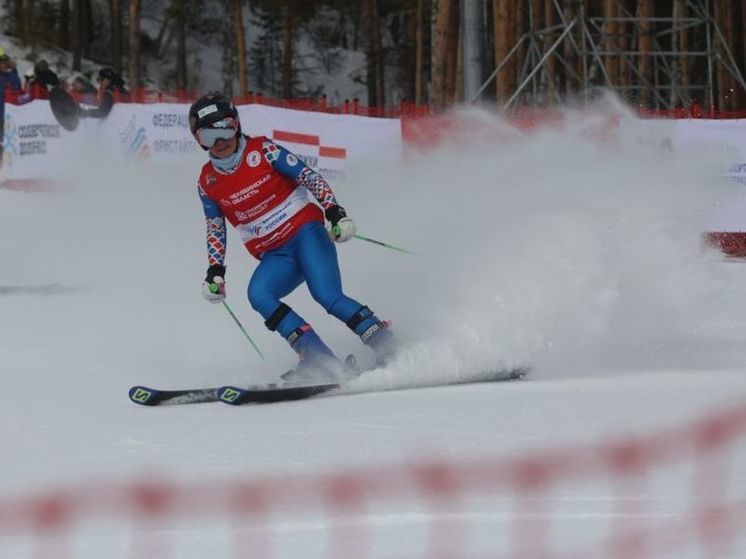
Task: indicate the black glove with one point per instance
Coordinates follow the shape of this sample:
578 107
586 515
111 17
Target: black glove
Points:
343 228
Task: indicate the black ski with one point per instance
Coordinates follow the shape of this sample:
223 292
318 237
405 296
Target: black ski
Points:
146 396
237 396
267 394
272 393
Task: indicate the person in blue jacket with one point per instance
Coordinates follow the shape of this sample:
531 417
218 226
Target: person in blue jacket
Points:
9 79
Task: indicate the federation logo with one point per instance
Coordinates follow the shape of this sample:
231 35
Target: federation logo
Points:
292 160
12 141
134 140
254 159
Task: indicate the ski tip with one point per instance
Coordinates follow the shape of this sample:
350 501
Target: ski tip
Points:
143 395
230 395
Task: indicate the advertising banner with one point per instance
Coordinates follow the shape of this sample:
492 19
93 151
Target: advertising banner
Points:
729 136
37 147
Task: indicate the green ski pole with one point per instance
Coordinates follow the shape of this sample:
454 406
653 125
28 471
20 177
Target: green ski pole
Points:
336 231
238 322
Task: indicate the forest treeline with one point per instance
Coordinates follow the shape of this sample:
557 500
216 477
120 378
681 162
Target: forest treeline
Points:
409 49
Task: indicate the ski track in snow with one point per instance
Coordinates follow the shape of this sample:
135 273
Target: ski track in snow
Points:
577 255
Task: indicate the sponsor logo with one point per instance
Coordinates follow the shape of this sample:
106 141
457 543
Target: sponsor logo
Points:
260 208
229 395
39 131
249 191
274 222
11 144
134 140
169 120
26 139
370 331
203 112
141 395
297 333
173 146
254 159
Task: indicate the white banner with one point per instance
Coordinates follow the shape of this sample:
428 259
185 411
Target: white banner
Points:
35 146
729 136
39 148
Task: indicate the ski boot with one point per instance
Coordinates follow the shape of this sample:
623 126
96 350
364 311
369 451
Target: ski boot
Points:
317 363
381 340
374 333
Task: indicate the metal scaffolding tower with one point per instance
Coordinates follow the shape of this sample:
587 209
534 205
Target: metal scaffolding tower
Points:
581 56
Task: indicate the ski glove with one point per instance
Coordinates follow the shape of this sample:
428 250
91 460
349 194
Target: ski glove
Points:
343 228
213 288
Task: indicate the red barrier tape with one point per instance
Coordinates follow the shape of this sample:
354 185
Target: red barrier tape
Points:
711 522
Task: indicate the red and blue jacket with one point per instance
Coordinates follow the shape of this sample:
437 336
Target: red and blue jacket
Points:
267 197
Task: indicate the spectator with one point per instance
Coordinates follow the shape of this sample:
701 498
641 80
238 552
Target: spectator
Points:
28 79
9 73
9 80
84 90
44 76
109 80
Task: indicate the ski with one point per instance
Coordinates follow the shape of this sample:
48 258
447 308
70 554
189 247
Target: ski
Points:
273 393
146 396
234 395
237 396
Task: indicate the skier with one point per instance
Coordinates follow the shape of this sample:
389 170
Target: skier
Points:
271 197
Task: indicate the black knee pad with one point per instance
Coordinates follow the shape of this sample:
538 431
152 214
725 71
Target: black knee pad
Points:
361 314
274 321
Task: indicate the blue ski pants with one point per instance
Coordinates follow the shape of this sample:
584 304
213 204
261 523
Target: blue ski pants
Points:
308 256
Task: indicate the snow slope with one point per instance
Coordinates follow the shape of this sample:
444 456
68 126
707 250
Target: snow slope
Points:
578 256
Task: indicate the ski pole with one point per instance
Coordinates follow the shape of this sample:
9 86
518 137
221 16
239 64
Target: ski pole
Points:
238 322
337 231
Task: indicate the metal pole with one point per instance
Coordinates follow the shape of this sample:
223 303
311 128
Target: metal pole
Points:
539 65
494 73
470 51
710 82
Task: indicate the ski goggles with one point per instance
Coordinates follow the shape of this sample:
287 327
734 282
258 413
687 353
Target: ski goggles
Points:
221 130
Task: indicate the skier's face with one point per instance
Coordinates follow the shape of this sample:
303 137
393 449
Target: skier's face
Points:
224 148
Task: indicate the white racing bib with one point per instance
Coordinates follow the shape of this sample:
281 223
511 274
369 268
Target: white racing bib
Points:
276 217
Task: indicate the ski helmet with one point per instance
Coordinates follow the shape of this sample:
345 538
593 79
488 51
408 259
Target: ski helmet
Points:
212 117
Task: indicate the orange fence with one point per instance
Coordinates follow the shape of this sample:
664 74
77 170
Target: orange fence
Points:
404 109
679 493
321 104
